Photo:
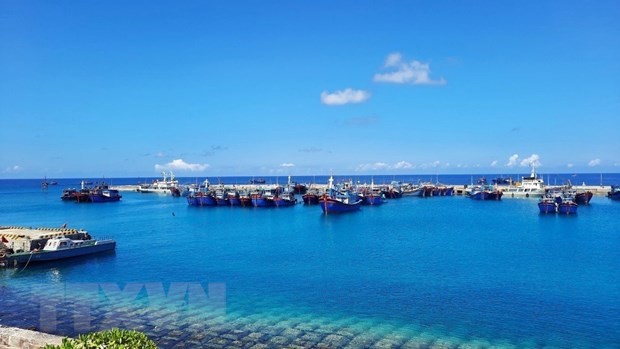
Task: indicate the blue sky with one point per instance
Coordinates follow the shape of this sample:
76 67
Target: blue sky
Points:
130 88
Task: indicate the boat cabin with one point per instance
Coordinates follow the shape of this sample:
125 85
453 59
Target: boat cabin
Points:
62 243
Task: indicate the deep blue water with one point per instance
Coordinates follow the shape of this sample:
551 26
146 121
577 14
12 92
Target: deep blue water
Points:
436 270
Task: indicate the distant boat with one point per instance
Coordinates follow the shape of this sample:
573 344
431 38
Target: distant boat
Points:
257 181
502 181
165 186
614 194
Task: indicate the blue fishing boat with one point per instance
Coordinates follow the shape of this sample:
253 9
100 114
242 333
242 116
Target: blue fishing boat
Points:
547 204
201 198
284 200
262 198
221 197
335 201
568 205
234 198
614 194
371 195
484 192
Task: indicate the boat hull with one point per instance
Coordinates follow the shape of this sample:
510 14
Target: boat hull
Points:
372 200
547 207
310 199
262 202
583 198
329 205
567 208
201 200
99 198
281 202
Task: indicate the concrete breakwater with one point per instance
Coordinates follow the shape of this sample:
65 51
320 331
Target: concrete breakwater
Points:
598 190
13 338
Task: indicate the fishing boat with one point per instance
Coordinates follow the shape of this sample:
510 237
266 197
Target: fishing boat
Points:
547 204
567 205
336 201
311 197
285 200
371 195
201 198
422 190
583 197
262 198
221 197
102 193
614 194
26 245
69 194
485 192
285 197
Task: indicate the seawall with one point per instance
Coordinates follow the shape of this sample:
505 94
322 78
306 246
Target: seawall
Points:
14 338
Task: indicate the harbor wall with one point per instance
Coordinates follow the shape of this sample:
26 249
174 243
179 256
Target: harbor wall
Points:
14 338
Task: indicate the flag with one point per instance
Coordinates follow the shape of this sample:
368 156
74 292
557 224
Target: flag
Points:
4 240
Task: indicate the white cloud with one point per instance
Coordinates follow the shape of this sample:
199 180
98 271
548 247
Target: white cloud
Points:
403 165
533 160
594 162
512 160
287 165
414 72
569 165
373 166
494 163
160 154
344 97
12 169
181 165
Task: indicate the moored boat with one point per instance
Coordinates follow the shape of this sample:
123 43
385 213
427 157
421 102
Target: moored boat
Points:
547 204
583 197
165 186
567 205
614 193
103 193
27 245
334 201
485 192
201 198
530 187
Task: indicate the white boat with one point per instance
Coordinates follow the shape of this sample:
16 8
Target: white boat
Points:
26 245
165 186
529 187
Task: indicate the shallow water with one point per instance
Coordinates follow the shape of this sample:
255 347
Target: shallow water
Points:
414 272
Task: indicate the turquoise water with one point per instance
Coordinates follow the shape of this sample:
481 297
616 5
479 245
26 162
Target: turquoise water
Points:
445 271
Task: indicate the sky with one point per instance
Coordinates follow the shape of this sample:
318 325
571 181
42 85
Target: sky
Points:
226 88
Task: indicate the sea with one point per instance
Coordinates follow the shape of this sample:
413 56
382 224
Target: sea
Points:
437 272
